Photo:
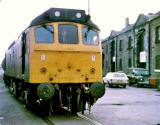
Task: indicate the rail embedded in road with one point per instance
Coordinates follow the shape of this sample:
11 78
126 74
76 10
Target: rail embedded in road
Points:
88 119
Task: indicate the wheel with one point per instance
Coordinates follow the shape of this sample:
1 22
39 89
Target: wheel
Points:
14 89
10 86
124 86
105 84
50 108
109 85
138 85
80 105
30 100
74 102
73 105
78 102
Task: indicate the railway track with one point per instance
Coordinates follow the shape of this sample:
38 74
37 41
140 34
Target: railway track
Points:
88 119
50 121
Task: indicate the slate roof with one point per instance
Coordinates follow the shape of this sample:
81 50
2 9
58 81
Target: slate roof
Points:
140 20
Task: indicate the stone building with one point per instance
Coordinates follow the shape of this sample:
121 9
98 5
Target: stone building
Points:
137 45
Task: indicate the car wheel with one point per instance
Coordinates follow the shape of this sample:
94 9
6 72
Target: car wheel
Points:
158 87
109 85
104 83
130 84
139 85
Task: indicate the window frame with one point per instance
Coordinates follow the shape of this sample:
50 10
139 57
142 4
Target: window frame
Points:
92 30
129 62
77 34
53 34
120 64
120 45
157 34
157 65
129 42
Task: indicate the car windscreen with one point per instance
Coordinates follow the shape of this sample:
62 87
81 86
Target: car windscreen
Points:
44 34
118 75
68 34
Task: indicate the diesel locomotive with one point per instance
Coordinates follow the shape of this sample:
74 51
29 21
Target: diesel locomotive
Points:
56 61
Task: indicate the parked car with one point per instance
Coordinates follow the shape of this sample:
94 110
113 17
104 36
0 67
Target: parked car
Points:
116 79
139 76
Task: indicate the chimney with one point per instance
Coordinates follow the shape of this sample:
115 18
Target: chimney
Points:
127 22
150 13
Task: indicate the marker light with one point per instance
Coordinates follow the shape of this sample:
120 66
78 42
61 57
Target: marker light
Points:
92 70
43 70
78 15
57 13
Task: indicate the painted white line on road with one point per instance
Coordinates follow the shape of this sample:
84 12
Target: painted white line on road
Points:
88 119
4 90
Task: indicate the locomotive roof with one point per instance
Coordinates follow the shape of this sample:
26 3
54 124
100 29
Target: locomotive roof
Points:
63 15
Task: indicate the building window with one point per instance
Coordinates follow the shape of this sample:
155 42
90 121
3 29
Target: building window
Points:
158 34
129 42
106 49
158 62
120 45
113 48
120 64
129 62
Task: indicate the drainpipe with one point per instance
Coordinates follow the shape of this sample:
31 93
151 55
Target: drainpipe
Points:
149 50
116 54
134 47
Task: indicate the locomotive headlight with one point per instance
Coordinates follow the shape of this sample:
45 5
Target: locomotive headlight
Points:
78 15
57 13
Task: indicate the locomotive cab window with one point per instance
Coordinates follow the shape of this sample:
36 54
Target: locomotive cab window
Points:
68 34
90 37
44 34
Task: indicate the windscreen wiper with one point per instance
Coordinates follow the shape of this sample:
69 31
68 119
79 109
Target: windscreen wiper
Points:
48 29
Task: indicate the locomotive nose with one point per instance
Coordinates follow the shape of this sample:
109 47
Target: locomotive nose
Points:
45 91
97 90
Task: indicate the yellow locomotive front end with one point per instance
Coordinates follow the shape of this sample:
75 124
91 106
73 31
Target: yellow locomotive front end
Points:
57 61
66 59
65 53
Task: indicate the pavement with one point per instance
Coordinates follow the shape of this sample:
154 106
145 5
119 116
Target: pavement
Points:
13 112
130 106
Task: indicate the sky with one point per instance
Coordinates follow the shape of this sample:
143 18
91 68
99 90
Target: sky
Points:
16 15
